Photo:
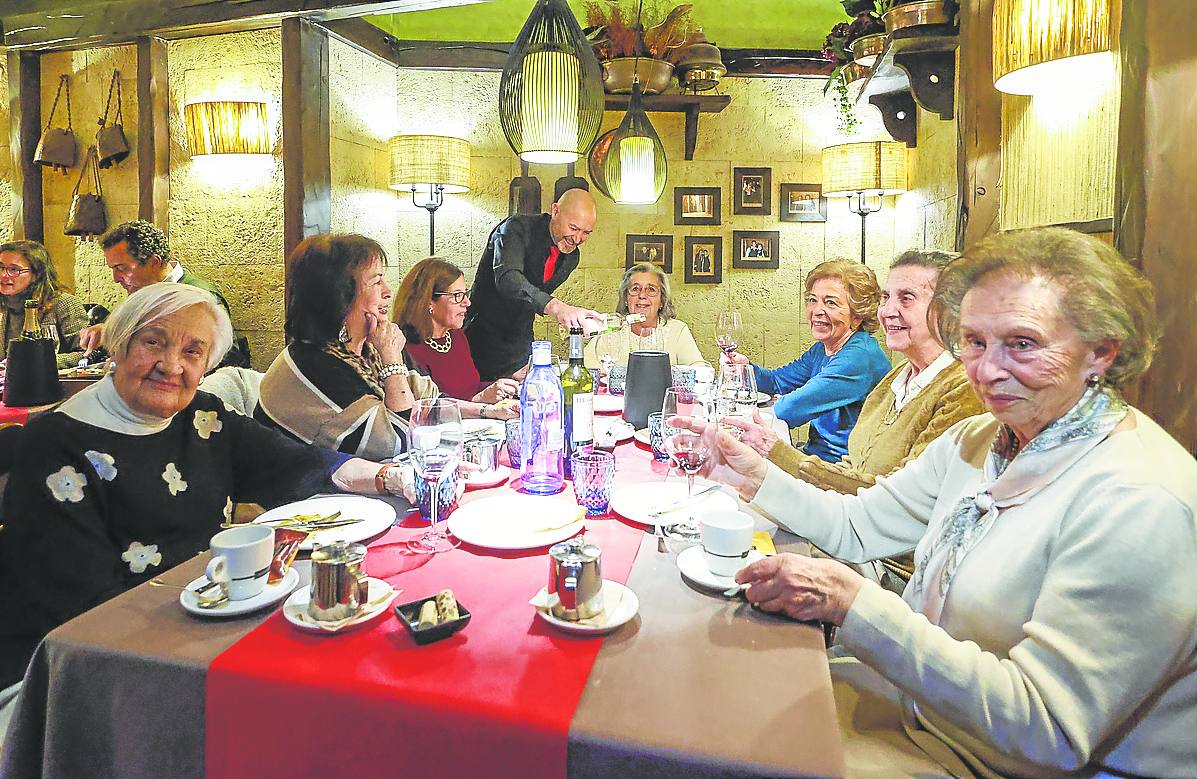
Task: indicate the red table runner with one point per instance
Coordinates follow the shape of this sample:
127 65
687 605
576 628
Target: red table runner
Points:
494 700
13 415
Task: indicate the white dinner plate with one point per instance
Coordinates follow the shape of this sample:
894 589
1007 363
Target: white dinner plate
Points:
376 517
694 569
763 397
513 520
642 436
617 428
620 604
491 427
608 404
295 610
477 480
270 595
637 501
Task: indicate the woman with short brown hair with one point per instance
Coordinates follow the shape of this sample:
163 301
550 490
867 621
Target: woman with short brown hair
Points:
26 273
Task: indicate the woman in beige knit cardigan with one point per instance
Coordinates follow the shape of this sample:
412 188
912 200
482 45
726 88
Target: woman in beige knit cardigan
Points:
922 396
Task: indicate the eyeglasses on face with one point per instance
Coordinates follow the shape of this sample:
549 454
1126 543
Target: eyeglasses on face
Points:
648 290
458 297
13 270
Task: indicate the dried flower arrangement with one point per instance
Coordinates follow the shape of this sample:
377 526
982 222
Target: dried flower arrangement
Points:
613 30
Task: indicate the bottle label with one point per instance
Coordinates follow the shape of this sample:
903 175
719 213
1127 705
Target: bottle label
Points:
575 347
555 440
583 431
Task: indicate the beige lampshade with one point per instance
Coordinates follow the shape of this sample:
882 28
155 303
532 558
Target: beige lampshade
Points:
872 167
226 127
1039 45
421 160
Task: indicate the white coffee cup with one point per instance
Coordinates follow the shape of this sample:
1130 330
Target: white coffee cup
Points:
726 540
241 557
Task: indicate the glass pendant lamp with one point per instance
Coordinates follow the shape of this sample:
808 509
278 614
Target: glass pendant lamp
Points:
551 92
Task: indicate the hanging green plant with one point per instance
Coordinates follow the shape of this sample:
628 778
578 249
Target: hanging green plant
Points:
866 21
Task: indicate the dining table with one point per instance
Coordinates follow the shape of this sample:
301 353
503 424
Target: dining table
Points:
697 684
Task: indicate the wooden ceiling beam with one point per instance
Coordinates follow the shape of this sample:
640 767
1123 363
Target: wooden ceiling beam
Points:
45 25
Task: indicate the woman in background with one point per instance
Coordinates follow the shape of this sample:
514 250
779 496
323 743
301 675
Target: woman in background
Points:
645 290
27 273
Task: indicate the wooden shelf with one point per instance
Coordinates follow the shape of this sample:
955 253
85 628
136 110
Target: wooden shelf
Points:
917 67
690 105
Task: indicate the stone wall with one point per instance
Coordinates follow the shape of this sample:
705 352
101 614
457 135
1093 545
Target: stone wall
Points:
226 212
363 110
926 214
781 124
7 212
80 262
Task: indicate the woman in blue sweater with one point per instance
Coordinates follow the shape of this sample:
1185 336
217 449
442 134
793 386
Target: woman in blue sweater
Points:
828 383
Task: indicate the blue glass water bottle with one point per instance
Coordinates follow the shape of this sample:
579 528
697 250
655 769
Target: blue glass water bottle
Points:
542 429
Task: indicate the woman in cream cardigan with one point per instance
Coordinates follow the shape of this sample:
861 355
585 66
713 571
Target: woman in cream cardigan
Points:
1050 627
645 290
919 399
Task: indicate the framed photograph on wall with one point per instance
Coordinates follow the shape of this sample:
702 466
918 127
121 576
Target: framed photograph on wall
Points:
802 203
755 249
704 259
696 206
657 249
752 191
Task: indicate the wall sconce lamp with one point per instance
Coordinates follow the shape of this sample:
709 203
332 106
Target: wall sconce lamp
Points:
864 173
1039 45
435 161
226 127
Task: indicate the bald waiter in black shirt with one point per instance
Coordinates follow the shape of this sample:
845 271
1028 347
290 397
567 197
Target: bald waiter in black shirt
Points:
527 258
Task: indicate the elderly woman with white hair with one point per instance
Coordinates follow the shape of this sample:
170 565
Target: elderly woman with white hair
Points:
645 290
135 474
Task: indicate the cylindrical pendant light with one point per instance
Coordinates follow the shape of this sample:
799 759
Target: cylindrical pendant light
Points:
1043 44
635 167
551 91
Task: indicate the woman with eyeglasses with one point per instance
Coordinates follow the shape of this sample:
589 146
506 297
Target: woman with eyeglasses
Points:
26 273
645 290
430 309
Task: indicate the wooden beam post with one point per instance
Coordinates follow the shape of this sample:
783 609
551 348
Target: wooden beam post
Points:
25 112
307 175
153 133
979 125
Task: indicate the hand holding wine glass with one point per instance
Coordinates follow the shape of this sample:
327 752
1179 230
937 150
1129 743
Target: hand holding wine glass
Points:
436 442
728 330
687 449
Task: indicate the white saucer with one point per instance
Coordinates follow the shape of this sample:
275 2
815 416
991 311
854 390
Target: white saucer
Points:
295 610
625 603
762 398
608 404
481 479
642 436
694 569
270 595
614 427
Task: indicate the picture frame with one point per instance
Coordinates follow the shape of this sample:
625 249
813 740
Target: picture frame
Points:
756 249
696 206
802 203
657 249
752 191
704 259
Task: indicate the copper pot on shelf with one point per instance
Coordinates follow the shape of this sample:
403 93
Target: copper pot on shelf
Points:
653 74
867 48
919 13
700 65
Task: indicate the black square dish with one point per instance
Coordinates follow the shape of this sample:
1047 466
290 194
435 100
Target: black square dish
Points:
409 615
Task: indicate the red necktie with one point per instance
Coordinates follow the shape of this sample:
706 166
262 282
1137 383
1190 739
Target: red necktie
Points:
550 264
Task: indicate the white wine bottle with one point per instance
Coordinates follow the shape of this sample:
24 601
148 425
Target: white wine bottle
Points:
577 386
611 323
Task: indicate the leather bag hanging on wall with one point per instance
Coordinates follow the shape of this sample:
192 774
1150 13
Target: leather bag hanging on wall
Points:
87 218
111 144
56 149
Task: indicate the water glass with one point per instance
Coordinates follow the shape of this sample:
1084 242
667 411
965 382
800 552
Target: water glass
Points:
594 474
513 442
446 493
435 438
658 431
616 378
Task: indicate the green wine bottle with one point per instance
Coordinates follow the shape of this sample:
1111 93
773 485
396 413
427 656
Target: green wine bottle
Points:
577 386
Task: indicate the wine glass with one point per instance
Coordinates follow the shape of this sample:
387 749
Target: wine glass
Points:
687 449
735 396
728 329
435 441
604 349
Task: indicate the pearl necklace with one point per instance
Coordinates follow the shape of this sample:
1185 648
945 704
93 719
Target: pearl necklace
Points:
436 346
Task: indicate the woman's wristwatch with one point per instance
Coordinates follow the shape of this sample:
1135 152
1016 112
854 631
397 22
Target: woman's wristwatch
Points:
392 369
380 479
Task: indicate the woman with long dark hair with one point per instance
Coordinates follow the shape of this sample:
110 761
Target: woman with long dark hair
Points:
26 273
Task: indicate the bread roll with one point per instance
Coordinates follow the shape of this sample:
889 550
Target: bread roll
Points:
428 614
446 606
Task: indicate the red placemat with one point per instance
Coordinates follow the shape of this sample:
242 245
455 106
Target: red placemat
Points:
494 700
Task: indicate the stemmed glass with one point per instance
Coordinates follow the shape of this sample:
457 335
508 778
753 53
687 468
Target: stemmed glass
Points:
604 351
687 449
436 439
728 329
736 393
